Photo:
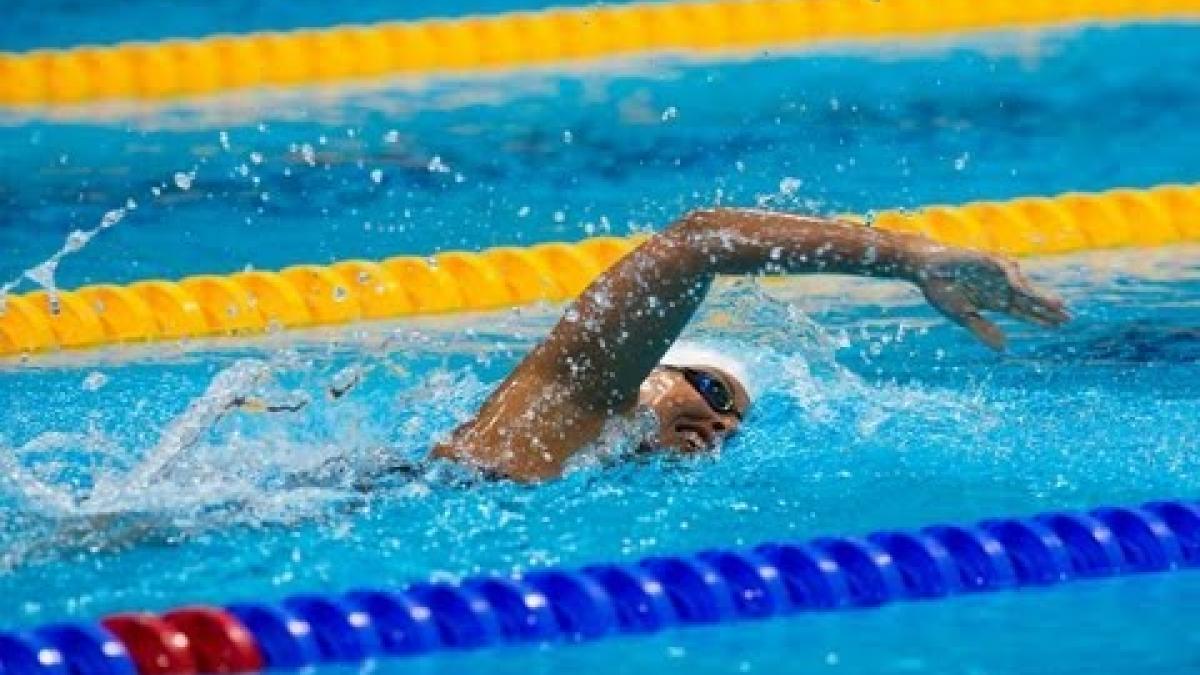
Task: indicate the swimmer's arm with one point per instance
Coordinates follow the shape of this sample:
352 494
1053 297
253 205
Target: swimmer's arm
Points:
594 361
615 333
960 283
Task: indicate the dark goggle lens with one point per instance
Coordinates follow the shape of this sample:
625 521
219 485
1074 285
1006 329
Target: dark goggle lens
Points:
714 391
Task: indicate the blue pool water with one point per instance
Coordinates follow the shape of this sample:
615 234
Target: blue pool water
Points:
876 413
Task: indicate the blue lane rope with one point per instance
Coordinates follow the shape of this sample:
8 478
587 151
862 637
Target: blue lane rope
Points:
712 586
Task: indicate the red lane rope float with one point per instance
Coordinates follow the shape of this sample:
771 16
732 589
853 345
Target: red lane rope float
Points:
219 642
156 647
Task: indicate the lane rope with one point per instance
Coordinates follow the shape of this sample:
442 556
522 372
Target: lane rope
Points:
563 605
181 67
256 302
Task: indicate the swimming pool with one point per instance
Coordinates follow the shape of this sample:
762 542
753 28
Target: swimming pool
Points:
877 414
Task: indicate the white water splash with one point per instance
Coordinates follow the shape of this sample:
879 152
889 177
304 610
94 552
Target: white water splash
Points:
43 273
201 415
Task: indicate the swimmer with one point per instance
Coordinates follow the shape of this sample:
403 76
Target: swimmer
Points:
611 352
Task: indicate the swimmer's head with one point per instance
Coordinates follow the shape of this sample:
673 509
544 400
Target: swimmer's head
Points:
699 396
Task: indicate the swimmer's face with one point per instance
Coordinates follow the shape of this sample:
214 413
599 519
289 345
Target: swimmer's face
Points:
696 406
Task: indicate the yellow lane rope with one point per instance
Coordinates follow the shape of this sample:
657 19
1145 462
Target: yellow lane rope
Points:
172 68
253 302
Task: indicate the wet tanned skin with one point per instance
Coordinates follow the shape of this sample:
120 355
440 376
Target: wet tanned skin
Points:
601 359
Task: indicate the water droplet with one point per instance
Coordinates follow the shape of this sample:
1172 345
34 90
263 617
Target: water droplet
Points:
76 241
111 218
94 381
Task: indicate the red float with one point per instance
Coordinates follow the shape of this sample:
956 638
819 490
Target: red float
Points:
219 642
156 647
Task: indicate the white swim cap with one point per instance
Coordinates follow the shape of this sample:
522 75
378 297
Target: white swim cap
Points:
684 353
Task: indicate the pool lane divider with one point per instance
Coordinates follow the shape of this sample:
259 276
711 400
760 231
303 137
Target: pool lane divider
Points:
257 301
563 605
174 68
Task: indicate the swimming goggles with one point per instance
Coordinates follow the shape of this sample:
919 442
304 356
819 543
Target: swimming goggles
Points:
711 388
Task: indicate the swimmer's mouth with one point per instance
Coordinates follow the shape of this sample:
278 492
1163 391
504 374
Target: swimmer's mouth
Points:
696 438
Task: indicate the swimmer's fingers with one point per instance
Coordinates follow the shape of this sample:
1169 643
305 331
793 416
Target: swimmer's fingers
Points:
1036 311
949 299
1032 304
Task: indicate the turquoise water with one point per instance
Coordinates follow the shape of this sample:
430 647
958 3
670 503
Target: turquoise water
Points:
876 413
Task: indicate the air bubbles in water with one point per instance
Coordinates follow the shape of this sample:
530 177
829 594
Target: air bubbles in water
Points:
789 186
670 113
436 165
376 176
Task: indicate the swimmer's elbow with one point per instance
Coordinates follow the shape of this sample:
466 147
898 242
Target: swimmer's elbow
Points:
700 221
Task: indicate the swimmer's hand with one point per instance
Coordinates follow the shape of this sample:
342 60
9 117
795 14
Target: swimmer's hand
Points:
961 284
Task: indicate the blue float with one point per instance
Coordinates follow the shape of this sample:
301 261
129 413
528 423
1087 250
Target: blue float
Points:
715 585
87 649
